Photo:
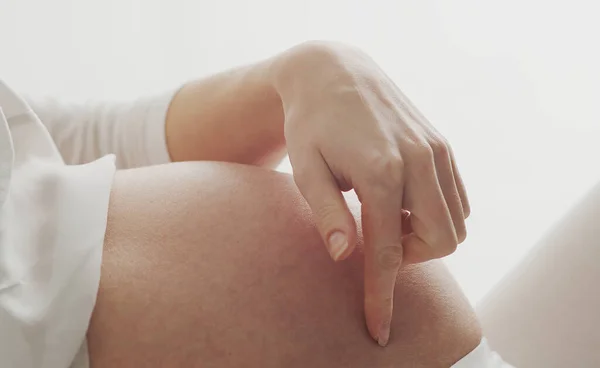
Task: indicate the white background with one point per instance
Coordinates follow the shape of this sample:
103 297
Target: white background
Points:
514 85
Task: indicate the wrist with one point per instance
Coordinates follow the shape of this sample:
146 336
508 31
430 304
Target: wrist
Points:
308 65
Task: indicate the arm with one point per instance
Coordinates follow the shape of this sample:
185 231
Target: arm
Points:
234 116
346 125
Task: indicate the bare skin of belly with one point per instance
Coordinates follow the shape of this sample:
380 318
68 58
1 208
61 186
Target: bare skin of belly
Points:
219 265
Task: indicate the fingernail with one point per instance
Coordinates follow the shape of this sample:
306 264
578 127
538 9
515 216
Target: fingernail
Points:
384 334
338 243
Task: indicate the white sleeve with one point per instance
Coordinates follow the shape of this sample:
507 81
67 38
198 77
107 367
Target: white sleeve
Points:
52 224
134 132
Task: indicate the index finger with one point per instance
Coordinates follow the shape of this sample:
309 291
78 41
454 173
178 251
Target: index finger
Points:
381 219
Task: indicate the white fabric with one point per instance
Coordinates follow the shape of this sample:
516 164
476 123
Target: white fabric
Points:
53 218
482 357
546 311
134 132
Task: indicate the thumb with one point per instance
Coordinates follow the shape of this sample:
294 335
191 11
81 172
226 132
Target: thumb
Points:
332 216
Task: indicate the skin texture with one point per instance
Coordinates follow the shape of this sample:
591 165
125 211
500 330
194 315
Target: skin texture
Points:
220 265
345 125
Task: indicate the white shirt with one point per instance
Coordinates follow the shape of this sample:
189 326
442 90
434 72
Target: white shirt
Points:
53 216
53 219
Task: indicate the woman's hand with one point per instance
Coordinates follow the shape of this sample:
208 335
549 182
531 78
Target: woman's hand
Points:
348 126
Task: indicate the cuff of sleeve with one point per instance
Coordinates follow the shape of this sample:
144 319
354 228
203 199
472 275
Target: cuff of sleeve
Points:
156 141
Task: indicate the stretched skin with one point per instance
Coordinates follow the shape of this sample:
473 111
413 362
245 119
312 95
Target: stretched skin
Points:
220 265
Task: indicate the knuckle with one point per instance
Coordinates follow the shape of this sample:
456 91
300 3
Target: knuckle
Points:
423 159
461 234
387 301
466 210
327 215
440 147
387 169
390 257
376 299
448 247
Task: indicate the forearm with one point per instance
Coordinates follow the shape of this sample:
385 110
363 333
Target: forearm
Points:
233 116
238 115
